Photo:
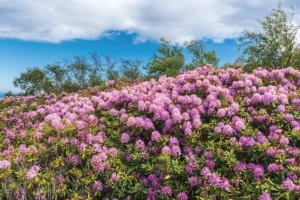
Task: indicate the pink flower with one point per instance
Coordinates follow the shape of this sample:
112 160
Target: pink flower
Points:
99 158
175 150
57 124
176 115
265 196
125 137
221 112
247 141
208 154
83 147
274 167
288 185
197 149
32 172
155 136
5 164
257 169
213 179
113 151
165 150
193 181
166 191
81 125
182 196
205 172
141 106
38 135
131 121
224 183
114 178
98 186
281 108
284 141
6 141
140 143
241 166
10 134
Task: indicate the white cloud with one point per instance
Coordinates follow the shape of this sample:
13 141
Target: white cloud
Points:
176 20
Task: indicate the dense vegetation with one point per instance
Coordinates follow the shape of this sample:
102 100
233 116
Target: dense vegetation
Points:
276 46
205 134
98 127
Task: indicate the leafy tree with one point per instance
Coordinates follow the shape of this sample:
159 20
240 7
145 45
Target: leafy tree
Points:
78 71
131 68
227 65
56 76
8 94
96 69
76 74
110 67
33 81
276 45
200 56
296 59
168 61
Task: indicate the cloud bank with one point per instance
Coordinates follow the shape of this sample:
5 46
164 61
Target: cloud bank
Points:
177 20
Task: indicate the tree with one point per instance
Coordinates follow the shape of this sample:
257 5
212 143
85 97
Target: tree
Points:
96 69
169 60
276 45
56 76
110 67
200 57
78 71
131 68
296 59
33 81
8 94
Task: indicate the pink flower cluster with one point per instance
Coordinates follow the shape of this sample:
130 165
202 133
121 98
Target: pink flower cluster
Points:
5 164
32 172
204 128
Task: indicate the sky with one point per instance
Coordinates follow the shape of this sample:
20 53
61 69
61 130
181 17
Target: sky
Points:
34 33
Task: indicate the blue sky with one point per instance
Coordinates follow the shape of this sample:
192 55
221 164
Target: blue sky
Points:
36 33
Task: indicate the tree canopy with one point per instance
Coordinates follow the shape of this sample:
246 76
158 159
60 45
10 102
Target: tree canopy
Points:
276 46
200 56
71 75
169 60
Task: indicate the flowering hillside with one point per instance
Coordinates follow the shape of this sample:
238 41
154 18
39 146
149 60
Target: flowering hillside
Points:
206 134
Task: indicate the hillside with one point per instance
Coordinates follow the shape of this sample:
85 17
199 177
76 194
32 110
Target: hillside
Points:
205 134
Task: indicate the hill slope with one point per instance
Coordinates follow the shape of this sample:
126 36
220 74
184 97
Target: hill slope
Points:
206 133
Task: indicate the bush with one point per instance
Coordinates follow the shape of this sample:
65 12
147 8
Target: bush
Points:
206 134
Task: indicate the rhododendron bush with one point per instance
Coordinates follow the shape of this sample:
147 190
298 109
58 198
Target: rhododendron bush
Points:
205 134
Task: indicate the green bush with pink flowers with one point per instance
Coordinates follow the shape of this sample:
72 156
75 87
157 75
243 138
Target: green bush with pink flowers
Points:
205 134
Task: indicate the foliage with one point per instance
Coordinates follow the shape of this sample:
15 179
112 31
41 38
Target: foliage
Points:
296 59
131 68
75 74
205 134
169 60
8 94
276 46
33 81
111 65
200 56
